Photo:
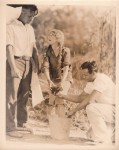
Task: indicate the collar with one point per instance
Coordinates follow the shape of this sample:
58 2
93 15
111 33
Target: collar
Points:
17 22
51 50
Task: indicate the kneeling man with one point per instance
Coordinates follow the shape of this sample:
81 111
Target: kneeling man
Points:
98 97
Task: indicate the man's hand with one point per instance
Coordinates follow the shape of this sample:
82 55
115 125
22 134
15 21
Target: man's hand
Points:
16 73
12 102
35 69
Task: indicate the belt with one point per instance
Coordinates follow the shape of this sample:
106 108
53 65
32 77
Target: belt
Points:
26 58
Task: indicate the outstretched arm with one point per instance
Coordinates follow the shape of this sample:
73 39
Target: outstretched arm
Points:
74 98
84 103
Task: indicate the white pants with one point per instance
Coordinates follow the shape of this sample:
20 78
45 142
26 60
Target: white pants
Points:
102 119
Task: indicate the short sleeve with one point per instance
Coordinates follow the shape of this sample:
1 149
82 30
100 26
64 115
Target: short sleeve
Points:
9 35
67 57
89 88
100 85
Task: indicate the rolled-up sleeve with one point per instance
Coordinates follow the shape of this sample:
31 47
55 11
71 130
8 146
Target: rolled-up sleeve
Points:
67 57
9 35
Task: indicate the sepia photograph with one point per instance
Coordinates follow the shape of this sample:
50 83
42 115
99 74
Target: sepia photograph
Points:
60 75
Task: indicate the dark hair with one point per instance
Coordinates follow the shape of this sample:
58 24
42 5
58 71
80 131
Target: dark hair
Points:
31 7
91 66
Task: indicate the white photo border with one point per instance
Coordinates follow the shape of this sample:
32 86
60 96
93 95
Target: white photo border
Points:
14 145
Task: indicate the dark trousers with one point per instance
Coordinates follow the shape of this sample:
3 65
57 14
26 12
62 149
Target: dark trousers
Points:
17 90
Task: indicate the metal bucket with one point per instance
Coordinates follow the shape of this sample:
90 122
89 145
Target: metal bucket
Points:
59 127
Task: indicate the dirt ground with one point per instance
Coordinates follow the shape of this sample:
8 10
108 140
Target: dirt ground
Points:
40 133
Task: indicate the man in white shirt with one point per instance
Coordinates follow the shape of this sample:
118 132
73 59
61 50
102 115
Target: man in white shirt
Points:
98 97
21 54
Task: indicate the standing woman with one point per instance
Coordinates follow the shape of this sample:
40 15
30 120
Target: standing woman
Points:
57 67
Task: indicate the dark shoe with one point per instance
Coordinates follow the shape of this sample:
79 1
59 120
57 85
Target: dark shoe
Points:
14 134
